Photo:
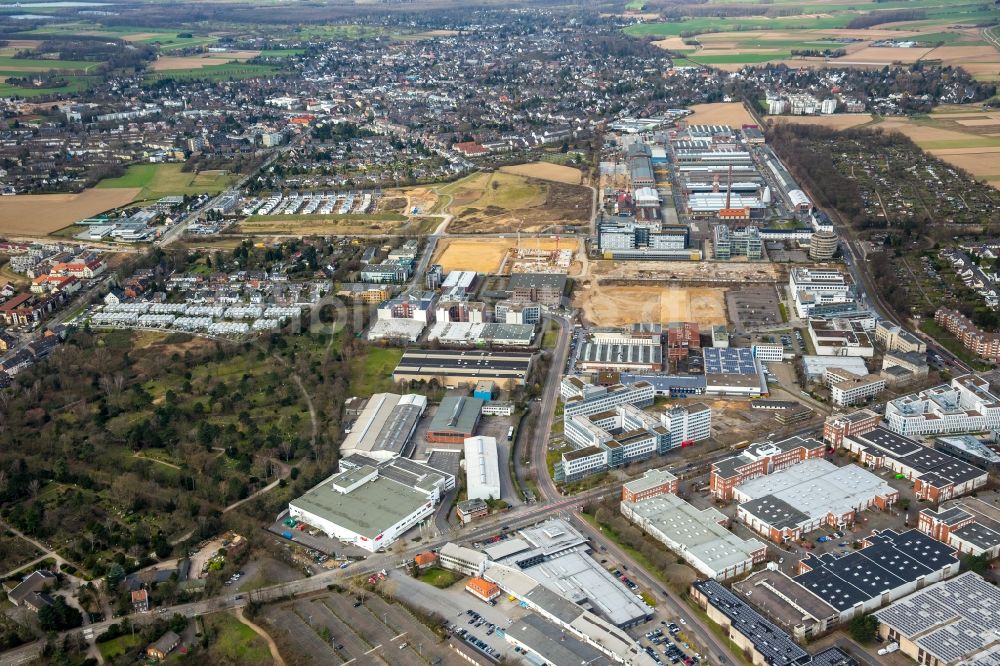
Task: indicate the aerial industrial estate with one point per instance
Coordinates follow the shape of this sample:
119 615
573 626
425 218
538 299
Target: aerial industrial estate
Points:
499 333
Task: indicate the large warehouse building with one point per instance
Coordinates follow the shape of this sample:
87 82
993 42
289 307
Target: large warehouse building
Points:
698 536
788 504
758 460
482 468
372 505
462 368
385 426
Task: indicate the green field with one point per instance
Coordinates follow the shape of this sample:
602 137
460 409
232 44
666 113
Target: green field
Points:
39 65
160 180
74 84
223 72
939 13
116 647
233 642
372 373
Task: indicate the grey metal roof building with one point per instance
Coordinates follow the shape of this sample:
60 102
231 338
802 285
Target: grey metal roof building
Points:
552 644
947 622
456 417
385 426
622 357
775 646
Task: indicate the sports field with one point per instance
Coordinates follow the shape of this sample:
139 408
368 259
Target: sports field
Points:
42 214
485 255
160 180
605 305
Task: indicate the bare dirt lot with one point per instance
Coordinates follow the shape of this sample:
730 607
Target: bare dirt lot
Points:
546 171
41 214
486 255
720 113
612 305
199 61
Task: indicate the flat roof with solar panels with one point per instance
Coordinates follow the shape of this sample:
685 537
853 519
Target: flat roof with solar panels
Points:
729 361
775 646
949 621
463 366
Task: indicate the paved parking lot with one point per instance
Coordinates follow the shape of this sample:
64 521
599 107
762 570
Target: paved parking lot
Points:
752 307
454 601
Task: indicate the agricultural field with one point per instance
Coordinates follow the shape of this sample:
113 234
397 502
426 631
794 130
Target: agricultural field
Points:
503 202
485 255
201 61
159 180
214 72
720 113
944 32
546 171
615 305
43 214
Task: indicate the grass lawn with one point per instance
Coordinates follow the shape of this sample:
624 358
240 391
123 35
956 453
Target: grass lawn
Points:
372 373
118 646
74 83
440 578
27 64
234 642
160 180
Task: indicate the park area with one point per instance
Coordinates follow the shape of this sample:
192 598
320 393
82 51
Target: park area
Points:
154 181
503 202
43 214
616 305
488 255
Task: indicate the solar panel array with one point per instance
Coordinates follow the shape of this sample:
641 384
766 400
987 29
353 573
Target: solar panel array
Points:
777 647
729 360
950 620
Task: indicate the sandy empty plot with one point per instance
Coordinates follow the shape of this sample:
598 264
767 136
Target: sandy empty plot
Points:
484 255
197 62
617 306
959 53
546 171
41 214
922 133
672 44
720 113
979 162
836 121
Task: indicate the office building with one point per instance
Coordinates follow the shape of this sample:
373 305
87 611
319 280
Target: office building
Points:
963 406
823 245
839 426
737 242
894 338
652 483
970 526
840 337
970 449
814 287
758 460
580 397
847 388
543 288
